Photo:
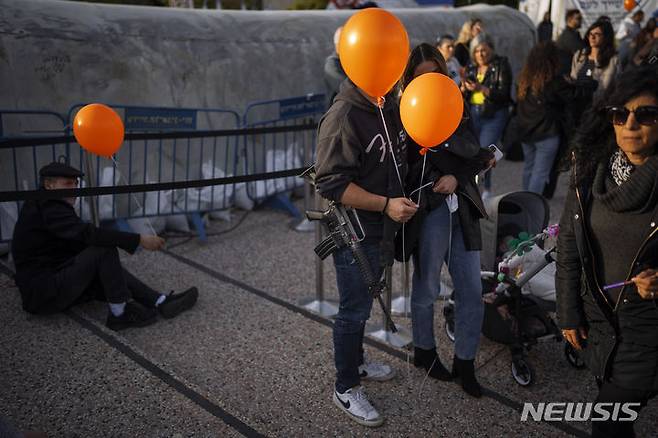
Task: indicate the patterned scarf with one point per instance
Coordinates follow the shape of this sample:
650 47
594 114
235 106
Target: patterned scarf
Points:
622 187
620 167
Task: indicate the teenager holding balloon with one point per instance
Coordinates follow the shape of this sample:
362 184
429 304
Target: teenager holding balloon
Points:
446 226
360 163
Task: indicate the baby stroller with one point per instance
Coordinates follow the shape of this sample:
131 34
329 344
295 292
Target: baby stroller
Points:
518 280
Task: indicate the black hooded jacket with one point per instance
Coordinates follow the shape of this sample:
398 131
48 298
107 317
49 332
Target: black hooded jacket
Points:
352 148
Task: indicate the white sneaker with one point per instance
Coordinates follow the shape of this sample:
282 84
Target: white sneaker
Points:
375 371
354 402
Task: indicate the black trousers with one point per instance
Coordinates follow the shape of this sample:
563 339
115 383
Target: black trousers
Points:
611 393
96 273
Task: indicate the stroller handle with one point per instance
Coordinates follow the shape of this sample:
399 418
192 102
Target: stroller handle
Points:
527 275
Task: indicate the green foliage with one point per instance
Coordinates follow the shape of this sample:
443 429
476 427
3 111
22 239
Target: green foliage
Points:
308 4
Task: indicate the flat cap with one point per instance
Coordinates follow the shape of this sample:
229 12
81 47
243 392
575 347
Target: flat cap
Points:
60 169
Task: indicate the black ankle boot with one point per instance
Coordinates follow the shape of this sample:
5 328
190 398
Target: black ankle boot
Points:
429 360
464 370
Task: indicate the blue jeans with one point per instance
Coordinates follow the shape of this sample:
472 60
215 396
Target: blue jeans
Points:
464 267
353 312
489 131
538 157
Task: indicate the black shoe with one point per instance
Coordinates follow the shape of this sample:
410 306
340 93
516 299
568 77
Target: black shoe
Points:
174 304
429 360
134 315
464 370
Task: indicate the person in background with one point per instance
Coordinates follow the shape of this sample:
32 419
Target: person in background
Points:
545 29
446 228
469 30
608 236
334 75
598 61
487 86
645 42
446 46
62 261
543 100
629 28
570 41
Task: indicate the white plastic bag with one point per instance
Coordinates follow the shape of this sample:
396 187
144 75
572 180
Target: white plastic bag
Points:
109 177
140 225
209 197
278 160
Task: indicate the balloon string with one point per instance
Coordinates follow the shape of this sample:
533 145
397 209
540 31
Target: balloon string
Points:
422 175
121 177
381 101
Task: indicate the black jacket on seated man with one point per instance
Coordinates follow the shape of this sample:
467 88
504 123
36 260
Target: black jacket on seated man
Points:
47 238
61 260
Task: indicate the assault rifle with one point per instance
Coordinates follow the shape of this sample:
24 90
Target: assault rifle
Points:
338 221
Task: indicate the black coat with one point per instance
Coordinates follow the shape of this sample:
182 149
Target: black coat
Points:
498 79
463 158
47 236
582 303
550 113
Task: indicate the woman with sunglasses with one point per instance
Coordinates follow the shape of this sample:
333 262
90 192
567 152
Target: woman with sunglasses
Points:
443 229
607 266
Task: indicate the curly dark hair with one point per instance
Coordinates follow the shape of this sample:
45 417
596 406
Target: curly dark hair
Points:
594 141
541 66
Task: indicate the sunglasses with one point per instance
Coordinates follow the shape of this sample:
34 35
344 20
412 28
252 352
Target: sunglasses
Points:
645 115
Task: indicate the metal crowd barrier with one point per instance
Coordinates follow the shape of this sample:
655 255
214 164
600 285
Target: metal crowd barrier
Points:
268 153
16 123
12 123
167 158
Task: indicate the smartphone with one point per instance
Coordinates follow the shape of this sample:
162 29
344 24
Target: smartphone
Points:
471 78
498 154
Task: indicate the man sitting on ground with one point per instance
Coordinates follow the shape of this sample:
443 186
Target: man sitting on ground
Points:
62 261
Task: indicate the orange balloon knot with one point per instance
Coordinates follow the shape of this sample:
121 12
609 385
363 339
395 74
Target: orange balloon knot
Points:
380 102
424 150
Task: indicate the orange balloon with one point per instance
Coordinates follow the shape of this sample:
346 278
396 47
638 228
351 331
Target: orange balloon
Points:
629 5
98 129
373 50
431 109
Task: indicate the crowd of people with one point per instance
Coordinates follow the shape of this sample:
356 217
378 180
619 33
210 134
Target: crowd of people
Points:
588 101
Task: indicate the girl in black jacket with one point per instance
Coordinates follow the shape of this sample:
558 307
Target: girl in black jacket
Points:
607 279
446 227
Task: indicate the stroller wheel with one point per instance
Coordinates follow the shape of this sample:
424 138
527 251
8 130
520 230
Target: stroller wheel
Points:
573 357
522 372
450 330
